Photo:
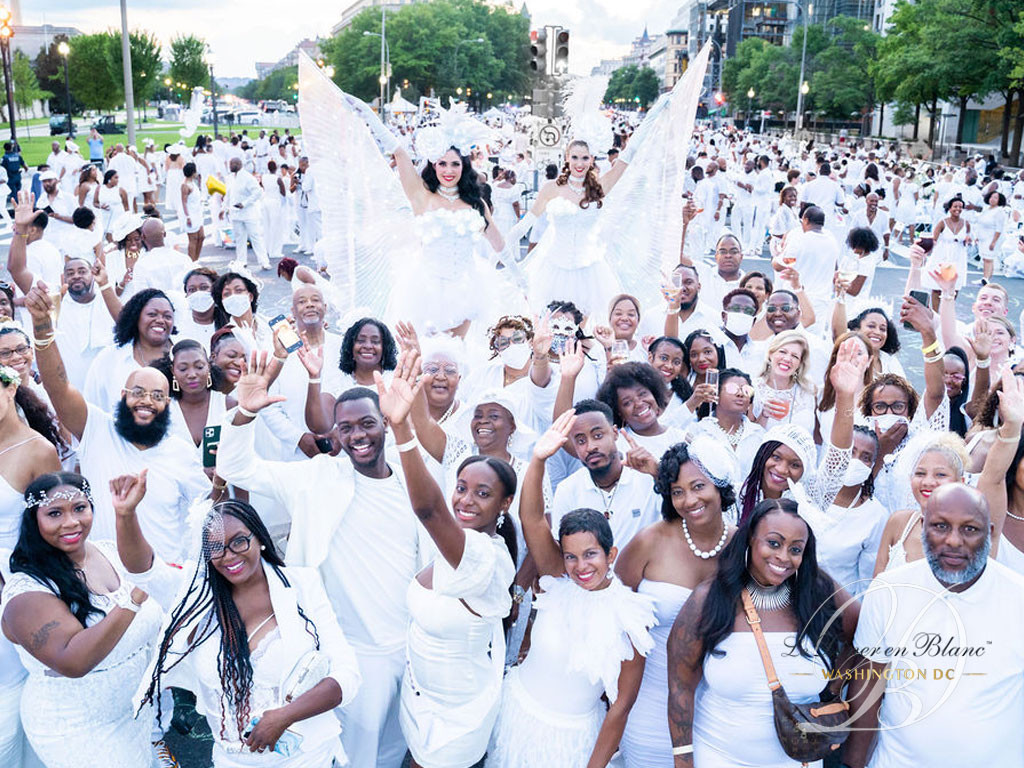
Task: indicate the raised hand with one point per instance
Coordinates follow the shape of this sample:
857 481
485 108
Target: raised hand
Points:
397 398
312 358
982 341
127 491
407 338
689 211
25 209
1011 398
550 442
604 335
916 314
639 458
251 390
918 256
39 304
542 335
946 285
571 360
847 374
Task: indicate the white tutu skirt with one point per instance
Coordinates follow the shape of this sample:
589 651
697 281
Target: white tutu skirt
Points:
530 735
906 212
589 287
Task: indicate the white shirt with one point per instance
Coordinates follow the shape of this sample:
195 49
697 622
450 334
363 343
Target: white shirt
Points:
824 193
45 262
847 549
714 287
163 268
633 507
175 479
83 330
817 254
293 383
243 188
107 375
908 608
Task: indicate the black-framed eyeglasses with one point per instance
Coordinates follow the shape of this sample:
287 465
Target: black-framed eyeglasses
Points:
7 354
898 408
239 545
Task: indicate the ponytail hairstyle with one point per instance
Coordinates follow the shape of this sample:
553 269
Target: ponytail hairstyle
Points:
46 564
593 192
208 609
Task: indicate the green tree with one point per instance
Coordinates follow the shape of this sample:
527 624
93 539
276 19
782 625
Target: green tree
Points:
91 82
433 47
188 62
147 64
49 69
279 84
26 86
838 83
621 84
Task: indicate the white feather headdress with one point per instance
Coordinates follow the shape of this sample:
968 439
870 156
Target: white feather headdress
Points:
454 127
582 105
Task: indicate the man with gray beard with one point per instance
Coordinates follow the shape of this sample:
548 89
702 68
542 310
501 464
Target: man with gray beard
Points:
942 636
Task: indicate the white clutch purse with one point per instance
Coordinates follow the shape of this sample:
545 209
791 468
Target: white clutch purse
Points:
312 667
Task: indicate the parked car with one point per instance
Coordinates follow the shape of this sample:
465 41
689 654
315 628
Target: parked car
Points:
248 117
59 124
106 124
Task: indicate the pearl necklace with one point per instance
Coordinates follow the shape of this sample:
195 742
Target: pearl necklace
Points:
451 197
446 414
700 553
768 598
577 188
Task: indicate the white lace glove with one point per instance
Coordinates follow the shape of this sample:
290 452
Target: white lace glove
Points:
521 229
386 140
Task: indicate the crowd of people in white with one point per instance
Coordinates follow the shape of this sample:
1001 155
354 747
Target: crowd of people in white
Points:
550 505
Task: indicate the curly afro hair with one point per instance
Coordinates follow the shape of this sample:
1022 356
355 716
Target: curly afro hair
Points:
629 375
389 352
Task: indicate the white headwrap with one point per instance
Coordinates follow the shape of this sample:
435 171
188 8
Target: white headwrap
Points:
715 460
796 438
454 128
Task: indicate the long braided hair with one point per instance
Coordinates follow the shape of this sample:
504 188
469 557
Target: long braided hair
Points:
593 192
208 607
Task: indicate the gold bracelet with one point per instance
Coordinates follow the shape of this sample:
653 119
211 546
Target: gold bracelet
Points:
44 344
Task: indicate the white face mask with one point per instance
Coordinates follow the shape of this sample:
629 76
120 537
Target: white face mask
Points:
200 301
237 304
856 473
738 323
887 421
515 355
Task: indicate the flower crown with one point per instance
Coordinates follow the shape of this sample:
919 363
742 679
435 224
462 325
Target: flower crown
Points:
9 376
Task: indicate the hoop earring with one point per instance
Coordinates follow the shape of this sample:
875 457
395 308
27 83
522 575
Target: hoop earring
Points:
174 385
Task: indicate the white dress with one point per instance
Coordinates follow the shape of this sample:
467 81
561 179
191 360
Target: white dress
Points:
989 221
449 282
73 722
906 207
111 198
951 248
455 659
568 264
172 192
194 208
645 741
551 708
733 723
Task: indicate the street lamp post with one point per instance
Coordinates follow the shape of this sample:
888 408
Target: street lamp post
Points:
803 61
126 69
750 99
64 49
385 62
211 59
6 33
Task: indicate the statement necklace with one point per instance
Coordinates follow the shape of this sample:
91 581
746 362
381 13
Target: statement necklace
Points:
733 436
575 187
700 553
768 598
451 197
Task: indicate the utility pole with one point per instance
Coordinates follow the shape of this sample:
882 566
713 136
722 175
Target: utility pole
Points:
126 67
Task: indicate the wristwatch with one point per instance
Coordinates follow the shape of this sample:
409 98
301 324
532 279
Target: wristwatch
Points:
518 594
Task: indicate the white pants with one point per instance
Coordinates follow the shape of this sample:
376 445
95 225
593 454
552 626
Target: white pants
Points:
245 231
15 751
301 217
273 228
216 201
743 225
370 731
762 215
309 229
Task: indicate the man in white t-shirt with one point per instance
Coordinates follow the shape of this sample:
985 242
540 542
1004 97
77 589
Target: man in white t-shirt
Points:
943 638
351 519
623 495
135 437
816 254
160 266
824 193
87 315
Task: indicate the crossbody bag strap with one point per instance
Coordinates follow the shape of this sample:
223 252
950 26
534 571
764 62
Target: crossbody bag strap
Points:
755 626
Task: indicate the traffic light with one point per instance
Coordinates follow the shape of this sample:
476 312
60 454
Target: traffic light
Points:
719 98
562 52
539 51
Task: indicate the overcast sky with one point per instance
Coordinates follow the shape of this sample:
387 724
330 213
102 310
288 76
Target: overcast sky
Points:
244 31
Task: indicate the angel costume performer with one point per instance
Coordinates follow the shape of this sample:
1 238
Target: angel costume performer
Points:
551 709
432 266
593 248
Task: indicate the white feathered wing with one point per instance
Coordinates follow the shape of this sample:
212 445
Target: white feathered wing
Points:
191 116
366 218
642 221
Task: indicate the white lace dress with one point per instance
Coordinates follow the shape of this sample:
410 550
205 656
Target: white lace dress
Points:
449 282
89 721
568 263
551 708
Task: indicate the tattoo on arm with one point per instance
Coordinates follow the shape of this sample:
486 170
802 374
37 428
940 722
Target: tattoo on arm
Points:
684 649
42 635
